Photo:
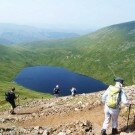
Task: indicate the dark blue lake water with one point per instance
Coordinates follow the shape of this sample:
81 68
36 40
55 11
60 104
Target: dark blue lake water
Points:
45 78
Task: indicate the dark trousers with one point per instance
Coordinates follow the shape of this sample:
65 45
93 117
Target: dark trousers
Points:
12 104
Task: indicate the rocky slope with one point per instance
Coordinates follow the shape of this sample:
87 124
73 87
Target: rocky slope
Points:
79 115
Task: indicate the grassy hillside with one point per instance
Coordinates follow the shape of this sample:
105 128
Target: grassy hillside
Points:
92 54
24 94
12 60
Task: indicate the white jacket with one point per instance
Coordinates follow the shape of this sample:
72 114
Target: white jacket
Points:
123 97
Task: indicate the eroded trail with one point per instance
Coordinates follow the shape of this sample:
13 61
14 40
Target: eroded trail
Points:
83 114
94 115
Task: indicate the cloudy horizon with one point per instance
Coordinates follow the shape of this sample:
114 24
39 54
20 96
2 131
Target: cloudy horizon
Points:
67 14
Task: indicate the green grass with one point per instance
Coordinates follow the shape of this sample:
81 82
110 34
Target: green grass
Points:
93 54
90 55
21 91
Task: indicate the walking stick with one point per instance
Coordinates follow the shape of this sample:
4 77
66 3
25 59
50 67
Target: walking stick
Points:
18 100
128 115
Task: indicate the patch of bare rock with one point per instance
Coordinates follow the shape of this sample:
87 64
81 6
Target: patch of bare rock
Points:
79 115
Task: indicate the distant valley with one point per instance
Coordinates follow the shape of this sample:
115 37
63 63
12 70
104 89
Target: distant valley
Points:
13 34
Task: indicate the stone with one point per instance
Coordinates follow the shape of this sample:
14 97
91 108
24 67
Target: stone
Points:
2 120
45 132
61 133
87 129
76 109
80 102
68 131
36 128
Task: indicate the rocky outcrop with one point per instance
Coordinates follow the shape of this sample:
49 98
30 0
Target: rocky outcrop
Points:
76 128
79 115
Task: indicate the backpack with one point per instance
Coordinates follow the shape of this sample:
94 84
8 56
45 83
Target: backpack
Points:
9 96
56 91
113 97
6 96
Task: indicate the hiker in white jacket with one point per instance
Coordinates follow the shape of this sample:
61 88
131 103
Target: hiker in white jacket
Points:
111 110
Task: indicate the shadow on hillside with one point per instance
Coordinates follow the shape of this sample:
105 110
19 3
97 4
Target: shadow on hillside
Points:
117 133
23 113
129 129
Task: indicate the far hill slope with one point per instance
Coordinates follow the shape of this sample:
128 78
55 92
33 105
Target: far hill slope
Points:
11 61
11 34
111 49
101 54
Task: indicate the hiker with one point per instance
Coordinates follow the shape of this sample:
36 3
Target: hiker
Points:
56 91
10 97
73 91
112 99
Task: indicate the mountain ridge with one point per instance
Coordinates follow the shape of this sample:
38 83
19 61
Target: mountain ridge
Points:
12 34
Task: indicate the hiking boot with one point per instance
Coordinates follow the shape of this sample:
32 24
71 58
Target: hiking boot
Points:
103 132
12 112
114 131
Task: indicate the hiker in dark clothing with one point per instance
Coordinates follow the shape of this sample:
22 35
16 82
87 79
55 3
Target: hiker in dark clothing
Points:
56 91
10 97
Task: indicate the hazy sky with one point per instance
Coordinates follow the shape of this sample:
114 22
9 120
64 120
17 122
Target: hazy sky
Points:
67 14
